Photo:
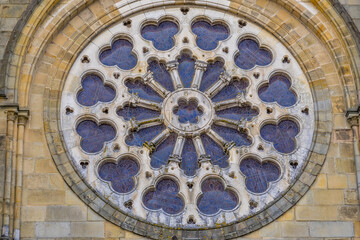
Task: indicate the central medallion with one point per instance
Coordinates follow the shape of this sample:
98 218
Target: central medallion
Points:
188 111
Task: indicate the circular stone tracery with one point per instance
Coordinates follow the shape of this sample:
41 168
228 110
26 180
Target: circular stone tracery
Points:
200 126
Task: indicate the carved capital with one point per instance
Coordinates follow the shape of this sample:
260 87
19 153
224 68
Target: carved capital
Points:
353 120
200 65
148 78
11 115
172 65
225 77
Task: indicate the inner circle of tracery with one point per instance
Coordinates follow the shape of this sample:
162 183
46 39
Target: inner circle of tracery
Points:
187 120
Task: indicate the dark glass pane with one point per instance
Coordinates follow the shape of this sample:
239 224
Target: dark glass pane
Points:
278 91
281 135
211 75
161 154
230 134
188 111
164 197
146 134
208 35
94 91
189 161
143 90
215 197
139 113
120 55
258 176
186 69
162 35
250 54
120 174
217 155
161 75
94 136
238 113
232 90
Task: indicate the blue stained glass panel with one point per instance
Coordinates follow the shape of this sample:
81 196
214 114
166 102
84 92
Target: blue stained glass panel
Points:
146 134
211 75
188 111
232 90
162 35
94 136
139 113
215 197
94 91
238 113
208 36
161 154
189 161
120 55
259 175
282 135
250 54
143 90
164 197
230 134
161 75
120 174
278 90
215 151
186 69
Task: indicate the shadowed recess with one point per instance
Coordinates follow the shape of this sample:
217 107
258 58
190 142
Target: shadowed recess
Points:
120 54
161 154
208 36
232 90
250 54
161 35
189 158
214 197
188 111
164 197
93 91
282 135
259 175
186 69
94 136
146 134
161 75
278 90
139 113
230 134
238 113
214 150
211 75
142 90
120 174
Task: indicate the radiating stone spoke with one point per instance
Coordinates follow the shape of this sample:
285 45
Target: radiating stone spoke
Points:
238 125
199 146
136 101
137 125
149 80
172 67
200 68
238 101
179 145
223 81
157 140
222 142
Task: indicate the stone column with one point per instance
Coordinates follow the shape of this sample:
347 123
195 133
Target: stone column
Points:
354 123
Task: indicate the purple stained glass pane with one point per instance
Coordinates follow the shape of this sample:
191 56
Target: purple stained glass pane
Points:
250 54
211 75
120 174
259 175
208 36
94 136
161 154
143 90
189 162
215 197
186 69
93 91
139 113
238 113
188 111
232 90
214 150
120 54
278 90
146 134
230 134
164 197
161 75
161 35
282 135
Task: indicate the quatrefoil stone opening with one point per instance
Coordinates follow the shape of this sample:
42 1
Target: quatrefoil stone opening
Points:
188 110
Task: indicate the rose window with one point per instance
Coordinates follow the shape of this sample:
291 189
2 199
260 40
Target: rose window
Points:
186 120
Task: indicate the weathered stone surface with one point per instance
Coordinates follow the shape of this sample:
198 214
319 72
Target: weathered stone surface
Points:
331 229
87 229
52 229
65 213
